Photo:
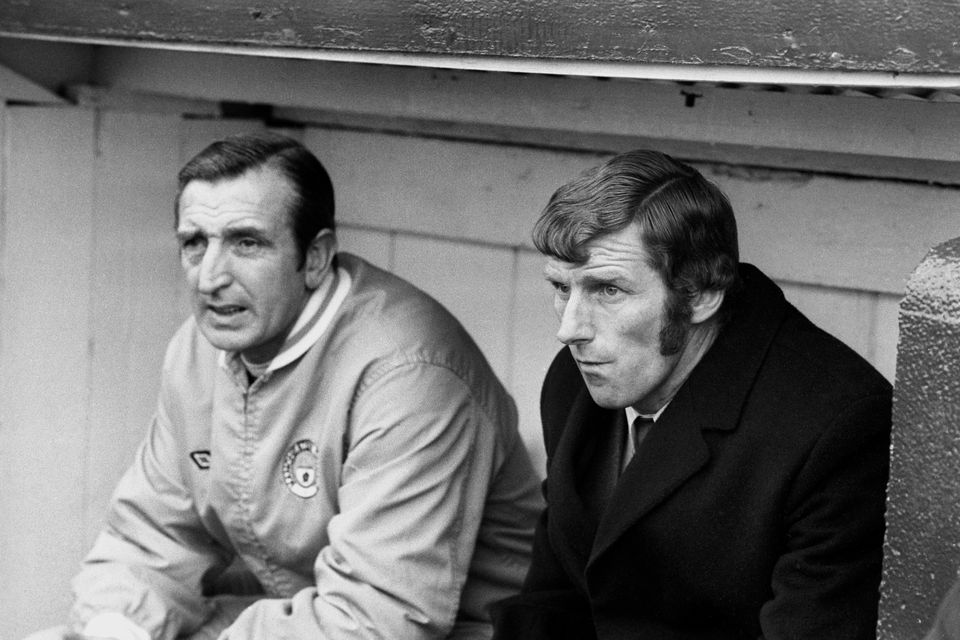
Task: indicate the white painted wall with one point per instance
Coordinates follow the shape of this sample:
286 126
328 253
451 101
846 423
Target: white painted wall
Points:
90 284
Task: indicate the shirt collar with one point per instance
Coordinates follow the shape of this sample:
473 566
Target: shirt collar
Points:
633 439
632 414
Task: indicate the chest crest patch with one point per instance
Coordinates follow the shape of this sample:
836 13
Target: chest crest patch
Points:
300 468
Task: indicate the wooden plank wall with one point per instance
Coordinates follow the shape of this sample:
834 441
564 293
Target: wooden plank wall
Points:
47 225
90 285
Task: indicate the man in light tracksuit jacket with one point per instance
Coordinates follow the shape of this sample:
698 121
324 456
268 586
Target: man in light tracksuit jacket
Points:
331 455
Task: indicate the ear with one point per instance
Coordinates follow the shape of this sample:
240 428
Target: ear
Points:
319 258
705 305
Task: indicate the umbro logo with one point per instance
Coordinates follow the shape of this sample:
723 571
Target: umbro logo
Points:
201 458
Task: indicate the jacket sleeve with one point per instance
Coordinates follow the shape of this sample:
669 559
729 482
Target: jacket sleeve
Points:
826 583
419 460
149 562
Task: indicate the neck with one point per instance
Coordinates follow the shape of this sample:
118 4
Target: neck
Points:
254 369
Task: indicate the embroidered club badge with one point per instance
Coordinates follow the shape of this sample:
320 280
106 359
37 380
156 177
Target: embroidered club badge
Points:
300 469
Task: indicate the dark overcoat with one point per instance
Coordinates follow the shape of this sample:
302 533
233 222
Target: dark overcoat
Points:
754 508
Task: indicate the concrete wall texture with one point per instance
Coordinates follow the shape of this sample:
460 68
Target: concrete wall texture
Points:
922 551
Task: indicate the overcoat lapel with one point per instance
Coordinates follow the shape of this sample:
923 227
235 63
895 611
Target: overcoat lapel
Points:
588 448
673 451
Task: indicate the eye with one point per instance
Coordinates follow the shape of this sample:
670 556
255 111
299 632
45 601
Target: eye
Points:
606 292
610 290
560 288
190 242
193 247
246 244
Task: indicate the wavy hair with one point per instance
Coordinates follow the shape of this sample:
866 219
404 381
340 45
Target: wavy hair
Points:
686 224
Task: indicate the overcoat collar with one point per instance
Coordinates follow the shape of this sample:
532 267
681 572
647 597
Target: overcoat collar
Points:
712 398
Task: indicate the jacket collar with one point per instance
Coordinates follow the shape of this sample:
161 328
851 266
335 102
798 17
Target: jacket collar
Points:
313 322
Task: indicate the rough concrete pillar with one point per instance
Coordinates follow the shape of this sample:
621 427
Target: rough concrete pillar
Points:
922 551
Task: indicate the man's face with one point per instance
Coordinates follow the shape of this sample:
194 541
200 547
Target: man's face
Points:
611 311
240 257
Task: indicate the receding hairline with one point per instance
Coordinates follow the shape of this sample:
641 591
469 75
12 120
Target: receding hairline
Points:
290 195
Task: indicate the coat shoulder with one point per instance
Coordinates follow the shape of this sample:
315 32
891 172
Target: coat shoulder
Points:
817 358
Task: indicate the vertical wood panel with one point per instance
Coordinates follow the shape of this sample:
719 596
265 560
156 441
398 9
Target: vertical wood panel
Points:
474 283
375 247
887 335
535 344
46 269
136 292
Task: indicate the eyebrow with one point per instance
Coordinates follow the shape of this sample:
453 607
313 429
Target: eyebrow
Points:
602 279
228 233
604 275
188 234
245 230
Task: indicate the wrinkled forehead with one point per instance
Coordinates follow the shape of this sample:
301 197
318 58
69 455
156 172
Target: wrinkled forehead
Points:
624 247
257 194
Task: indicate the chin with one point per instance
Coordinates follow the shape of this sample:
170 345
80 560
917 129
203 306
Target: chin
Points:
223 340
606 401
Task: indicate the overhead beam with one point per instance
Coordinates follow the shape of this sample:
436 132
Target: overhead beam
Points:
16 88
912 37
855 135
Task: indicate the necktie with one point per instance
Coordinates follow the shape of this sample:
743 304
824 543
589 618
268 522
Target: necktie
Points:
639 430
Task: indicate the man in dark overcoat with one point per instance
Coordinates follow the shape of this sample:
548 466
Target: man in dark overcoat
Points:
717 464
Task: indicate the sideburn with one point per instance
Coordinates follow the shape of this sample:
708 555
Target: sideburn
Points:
676 323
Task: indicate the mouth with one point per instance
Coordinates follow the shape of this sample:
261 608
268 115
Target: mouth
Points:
225 310
591 364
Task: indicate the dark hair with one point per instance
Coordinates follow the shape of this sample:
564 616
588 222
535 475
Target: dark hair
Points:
685 221
312 206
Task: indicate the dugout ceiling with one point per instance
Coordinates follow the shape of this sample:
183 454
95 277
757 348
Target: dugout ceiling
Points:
634 38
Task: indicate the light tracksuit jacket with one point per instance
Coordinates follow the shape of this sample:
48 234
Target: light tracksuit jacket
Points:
372 481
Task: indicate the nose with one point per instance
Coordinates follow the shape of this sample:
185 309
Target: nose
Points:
576 323
214 269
